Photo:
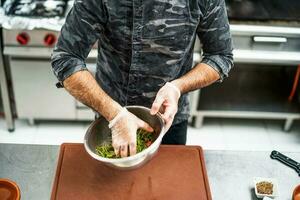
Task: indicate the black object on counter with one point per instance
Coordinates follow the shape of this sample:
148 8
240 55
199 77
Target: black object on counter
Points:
35 8
286 160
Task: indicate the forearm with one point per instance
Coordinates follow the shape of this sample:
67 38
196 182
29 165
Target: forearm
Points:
83 86
200 76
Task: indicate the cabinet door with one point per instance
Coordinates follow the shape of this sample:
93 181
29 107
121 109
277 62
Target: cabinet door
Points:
35 92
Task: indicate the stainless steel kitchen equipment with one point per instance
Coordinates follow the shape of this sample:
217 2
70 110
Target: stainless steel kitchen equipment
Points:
264 33
99 133
8 114
28 53
5 91
34 88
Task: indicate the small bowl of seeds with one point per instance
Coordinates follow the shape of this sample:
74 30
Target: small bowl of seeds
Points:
265 187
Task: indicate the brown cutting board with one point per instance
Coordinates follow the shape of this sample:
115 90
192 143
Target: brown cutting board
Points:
176 172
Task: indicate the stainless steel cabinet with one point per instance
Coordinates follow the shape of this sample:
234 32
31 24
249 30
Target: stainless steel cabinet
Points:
5 92
35 93
37 97
265 48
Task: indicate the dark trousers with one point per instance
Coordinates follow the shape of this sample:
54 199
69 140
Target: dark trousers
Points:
176 134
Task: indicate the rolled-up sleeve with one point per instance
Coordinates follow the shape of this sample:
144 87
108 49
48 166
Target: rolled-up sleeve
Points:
81 30
214 34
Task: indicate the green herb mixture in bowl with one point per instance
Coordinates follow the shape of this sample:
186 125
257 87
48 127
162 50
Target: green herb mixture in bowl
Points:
97 140
144 140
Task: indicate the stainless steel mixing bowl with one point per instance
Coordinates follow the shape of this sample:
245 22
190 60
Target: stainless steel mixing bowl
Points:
99 133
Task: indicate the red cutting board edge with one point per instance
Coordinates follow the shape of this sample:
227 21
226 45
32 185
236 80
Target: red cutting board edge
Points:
64 145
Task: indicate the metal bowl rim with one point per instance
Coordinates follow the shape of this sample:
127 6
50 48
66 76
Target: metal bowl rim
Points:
130 158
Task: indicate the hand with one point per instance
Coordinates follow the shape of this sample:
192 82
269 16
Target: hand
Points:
166 101
123 128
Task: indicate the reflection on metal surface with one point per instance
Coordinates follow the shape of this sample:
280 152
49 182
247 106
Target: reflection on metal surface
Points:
266 44
239 29
280 57
269 39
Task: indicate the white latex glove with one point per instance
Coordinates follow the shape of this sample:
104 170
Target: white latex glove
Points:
123 128
166 102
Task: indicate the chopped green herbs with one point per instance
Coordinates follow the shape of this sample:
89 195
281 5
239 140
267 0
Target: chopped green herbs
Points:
144 140
106 151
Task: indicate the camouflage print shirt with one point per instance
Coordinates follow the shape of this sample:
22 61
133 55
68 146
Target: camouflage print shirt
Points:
142 44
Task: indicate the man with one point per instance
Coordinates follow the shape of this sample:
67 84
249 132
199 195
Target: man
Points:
145 56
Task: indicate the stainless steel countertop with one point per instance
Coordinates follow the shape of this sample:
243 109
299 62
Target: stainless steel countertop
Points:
32 167
230 173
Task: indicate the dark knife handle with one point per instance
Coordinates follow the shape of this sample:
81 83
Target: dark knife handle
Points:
286 160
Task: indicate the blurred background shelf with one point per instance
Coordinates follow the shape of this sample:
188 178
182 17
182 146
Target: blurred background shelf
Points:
252 91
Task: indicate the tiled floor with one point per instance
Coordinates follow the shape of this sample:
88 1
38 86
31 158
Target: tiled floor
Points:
216 134
249 135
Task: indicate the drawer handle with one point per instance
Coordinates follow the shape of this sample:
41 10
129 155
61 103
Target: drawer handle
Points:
269 39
